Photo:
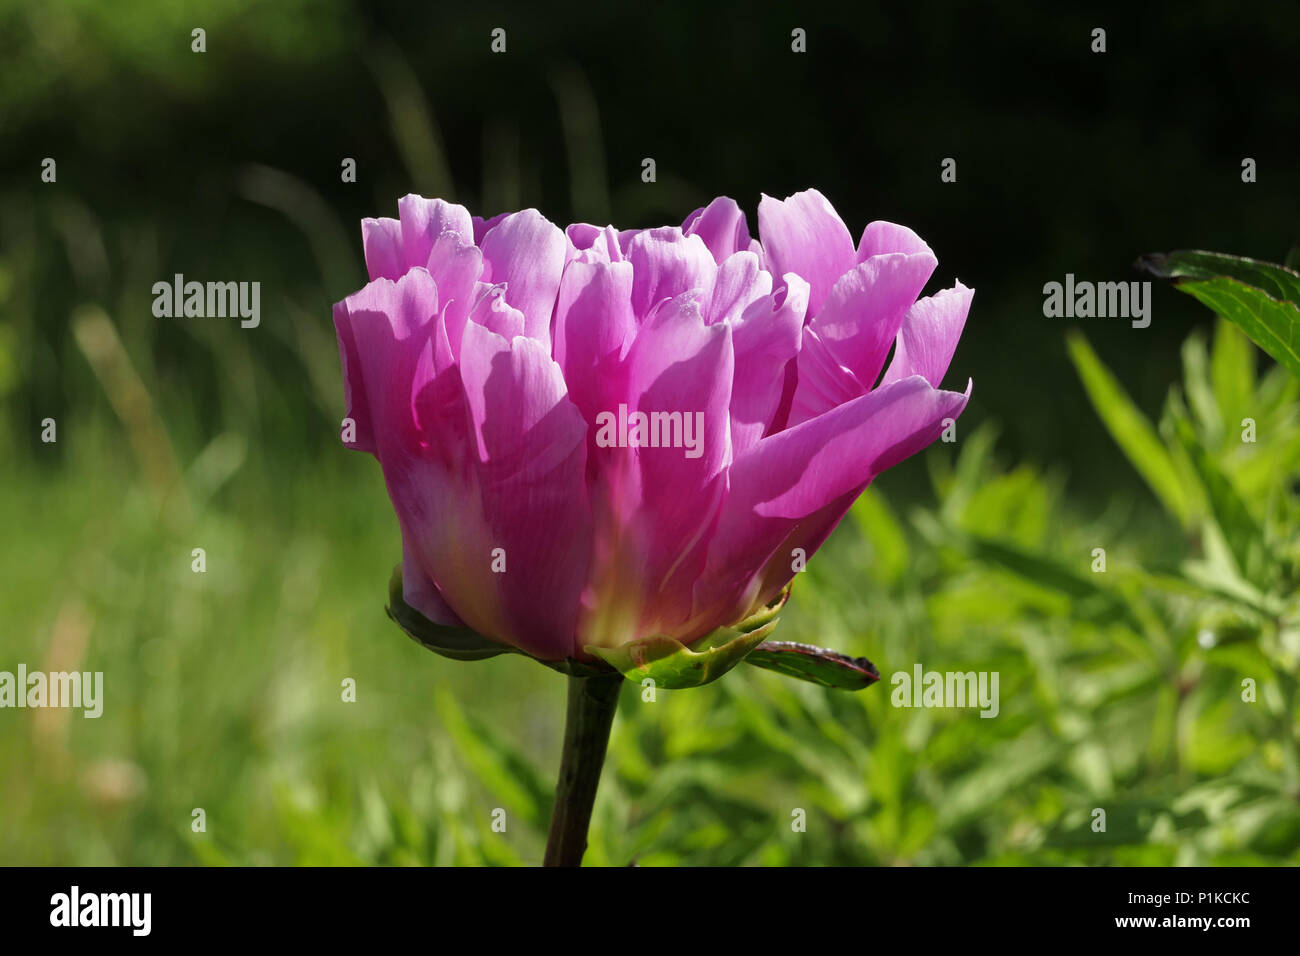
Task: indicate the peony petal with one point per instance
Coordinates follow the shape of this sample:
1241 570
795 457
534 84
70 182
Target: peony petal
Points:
740 281
424 220
880 238
594 326
721 224
593 243
419 591
823 383
382 241
483 226
530 442
656 507
790 476
382 332
766 339
863 313
929 335
527 252
493 312
805 235
680 365
456 266
665 264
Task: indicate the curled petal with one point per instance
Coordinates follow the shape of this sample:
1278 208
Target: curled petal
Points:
424 220
804 235
721 224
863 313
929 335
791 476
665 264
527 252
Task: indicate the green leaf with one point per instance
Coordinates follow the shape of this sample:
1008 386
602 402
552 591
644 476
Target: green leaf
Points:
1039 568
1277 282
889 555
672 665
1241 532
1232 372
458 643
815 664
1130 428
1262 298
501 768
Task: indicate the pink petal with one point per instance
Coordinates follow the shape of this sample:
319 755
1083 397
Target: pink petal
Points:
593 327
790 476
382 241
929 335
600 243
823 382
740 281
766 339
721 224
424 220
880 238
527 252
493 312
483 226
665 264
382 331
456 267
419 591
530 483
863 313
679 364
804 235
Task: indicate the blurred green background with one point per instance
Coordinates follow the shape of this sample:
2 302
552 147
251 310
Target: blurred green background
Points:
1119 691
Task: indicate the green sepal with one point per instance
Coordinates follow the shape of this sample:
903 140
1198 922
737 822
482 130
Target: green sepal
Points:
767 613
672 665
458 643
815 664
463 643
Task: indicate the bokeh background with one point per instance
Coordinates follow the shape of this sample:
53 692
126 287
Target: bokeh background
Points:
1119 691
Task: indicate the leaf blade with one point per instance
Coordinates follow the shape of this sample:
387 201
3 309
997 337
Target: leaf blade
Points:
1261 298
1132 431
817 665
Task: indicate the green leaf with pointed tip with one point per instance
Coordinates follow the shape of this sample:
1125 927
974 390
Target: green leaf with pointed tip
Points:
1129 427
458 643
672 665
1241 531
1278 282
1262 298
815 664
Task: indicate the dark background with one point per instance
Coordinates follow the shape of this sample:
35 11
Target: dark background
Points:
1067 161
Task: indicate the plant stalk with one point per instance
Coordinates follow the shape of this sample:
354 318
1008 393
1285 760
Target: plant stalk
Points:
590 714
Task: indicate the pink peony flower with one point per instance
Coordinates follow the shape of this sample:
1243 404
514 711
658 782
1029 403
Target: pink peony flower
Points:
592 436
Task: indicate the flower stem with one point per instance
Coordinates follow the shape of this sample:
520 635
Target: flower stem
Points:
592 701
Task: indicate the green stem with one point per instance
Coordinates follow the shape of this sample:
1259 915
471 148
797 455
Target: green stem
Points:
592 701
